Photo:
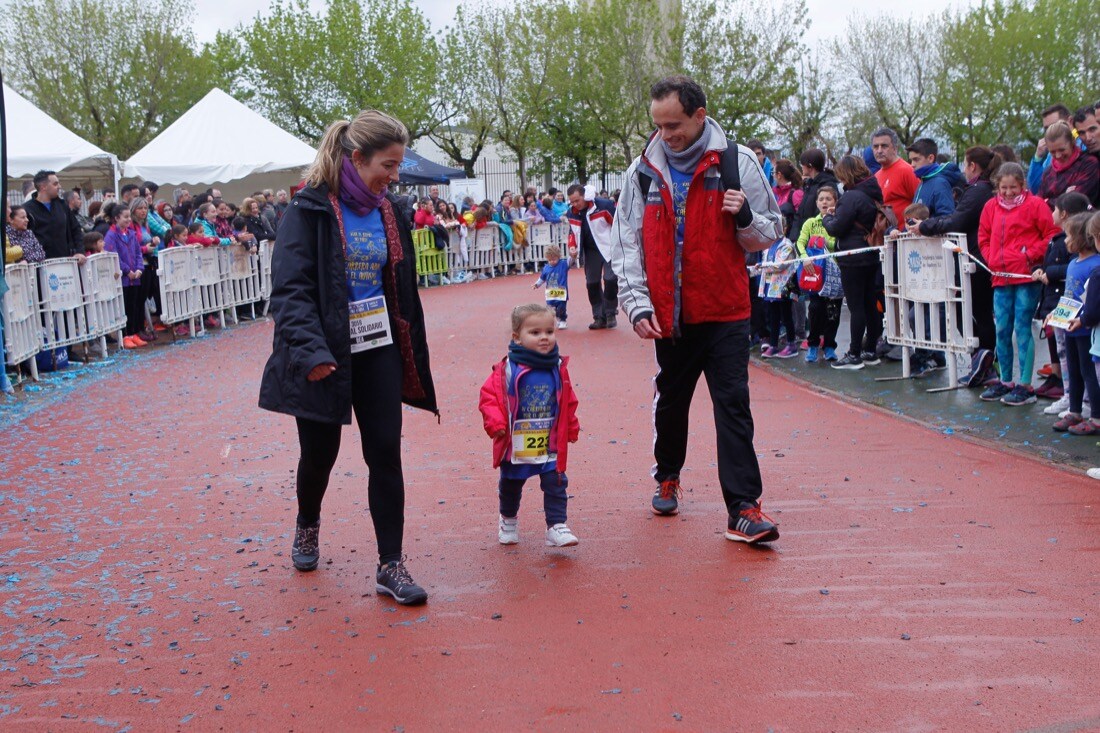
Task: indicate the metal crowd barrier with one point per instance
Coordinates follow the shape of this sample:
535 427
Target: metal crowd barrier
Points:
484 253
60 302
199 281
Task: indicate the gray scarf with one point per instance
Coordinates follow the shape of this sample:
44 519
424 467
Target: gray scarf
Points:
687 159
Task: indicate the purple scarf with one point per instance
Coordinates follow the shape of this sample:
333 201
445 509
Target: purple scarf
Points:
354 193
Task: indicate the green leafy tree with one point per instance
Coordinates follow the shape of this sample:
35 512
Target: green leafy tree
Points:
891 65
115 73
805 116
305 69
745 56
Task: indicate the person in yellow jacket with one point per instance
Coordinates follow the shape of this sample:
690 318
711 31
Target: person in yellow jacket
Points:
824 305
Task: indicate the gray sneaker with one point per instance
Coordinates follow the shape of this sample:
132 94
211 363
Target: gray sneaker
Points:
307 547
393 579
664 499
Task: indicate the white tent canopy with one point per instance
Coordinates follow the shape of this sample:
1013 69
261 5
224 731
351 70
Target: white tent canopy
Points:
217 141
36 141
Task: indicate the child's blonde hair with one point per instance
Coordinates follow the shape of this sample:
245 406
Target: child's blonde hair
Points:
1093 231
917 210
1080 233
553 251
521 313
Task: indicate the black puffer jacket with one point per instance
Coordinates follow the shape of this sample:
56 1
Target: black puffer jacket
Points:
1055 265
853 219
808 208
55 227
966 217
309 302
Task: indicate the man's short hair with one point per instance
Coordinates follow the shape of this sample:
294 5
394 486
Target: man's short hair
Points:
575 188
127 189
925 147
1059 109
1080 115
887 132
686 89
41 177
756 146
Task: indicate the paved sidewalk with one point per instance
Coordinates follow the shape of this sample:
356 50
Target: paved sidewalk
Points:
922 581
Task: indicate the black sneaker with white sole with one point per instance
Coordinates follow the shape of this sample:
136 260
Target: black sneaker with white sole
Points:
393 579
751 525
870 358
848 361
307 546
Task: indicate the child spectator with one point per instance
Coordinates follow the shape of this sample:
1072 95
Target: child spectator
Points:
916 213
824 306
776 295
530 411
1013 234
242 234
533 215
196 234
1081 373
208 218
93 243
125 241
1053 277
555 276
179 236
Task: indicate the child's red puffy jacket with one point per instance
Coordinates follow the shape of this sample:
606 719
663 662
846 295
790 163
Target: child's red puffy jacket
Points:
498 414
1015 241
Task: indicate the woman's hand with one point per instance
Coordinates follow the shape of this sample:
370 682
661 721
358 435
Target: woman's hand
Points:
320 371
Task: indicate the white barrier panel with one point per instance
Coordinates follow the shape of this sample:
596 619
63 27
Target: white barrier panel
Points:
266 246
927 278
64 316
242 277
208 281
484 247
179 294
101 279
19 309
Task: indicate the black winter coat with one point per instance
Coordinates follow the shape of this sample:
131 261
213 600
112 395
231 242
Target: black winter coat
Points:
56 228
808 208
1055 265
309 303
853 219
966 217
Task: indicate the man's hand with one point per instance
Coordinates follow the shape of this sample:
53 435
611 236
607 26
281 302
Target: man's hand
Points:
80 259
320 371
732 202
648 328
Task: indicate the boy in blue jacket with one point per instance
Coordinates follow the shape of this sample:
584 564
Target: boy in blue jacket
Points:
555 276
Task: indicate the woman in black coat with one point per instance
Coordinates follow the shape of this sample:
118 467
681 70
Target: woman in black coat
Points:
849 222
981 162
349 332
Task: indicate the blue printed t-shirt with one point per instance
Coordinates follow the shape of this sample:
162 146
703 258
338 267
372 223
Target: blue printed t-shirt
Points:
557 276
1077 274
681 182
536 395
367 253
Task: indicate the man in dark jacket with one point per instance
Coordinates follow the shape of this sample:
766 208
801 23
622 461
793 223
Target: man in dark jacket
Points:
51 220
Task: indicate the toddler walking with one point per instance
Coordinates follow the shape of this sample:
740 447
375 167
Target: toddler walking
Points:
555 276
530 411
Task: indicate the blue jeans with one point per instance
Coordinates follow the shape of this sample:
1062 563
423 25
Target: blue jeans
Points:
555 498
1013 309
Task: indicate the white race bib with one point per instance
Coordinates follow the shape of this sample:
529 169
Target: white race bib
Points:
556 293
531 440
1067 310
370 324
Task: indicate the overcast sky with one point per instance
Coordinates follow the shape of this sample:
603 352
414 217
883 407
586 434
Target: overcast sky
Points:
827 16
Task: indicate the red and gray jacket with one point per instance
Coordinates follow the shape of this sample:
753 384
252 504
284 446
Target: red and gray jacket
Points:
601 215
498 412
710 282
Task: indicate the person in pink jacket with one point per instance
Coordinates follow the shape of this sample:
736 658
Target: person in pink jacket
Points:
530 411
1013 232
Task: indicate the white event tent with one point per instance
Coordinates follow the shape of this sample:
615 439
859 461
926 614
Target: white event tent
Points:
218 141
36 141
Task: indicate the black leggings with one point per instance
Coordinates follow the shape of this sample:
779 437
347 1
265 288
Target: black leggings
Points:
781 312
861 290
1082 373
376 400
134 304
824 320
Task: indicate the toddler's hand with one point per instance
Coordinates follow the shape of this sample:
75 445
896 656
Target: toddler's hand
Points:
499 433
1074 324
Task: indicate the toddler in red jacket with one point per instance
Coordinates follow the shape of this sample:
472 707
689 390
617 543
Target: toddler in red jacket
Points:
530 411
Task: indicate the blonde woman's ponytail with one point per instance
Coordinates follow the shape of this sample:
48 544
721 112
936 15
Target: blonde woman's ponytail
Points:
368 133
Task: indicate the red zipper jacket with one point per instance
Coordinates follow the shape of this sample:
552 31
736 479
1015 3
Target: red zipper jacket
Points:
498 413
1015 241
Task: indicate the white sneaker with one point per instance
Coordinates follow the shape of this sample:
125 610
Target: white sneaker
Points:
1086 413
562 326
508 530
560 536
1093 472
1061 404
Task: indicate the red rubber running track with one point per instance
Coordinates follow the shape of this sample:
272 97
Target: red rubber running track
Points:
922 582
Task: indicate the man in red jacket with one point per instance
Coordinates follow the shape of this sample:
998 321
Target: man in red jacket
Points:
693 204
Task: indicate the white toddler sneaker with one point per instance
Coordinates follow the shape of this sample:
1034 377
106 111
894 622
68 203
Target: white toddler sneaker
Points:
1059 405
562 326
560 536
508 530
